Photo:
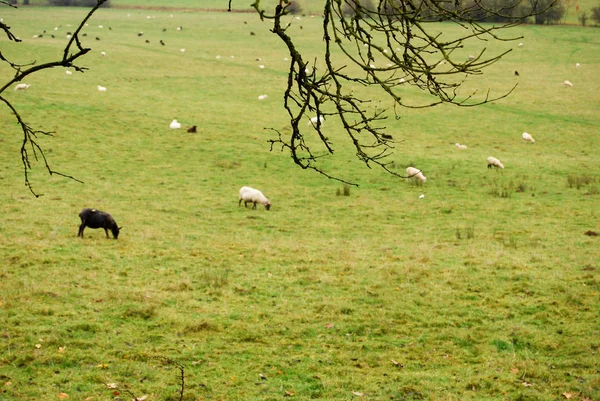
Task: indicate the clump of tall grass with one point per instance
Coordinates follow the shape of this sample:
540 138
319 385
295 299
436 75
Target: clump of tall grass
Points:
578 181
468 233
345 191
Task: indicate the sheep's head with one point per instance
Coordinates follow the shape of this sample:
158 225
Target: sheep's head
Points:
115 231
267 205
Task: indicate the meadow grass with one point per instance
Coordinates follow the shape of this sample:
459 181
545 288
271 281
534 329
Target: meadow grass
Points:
485 289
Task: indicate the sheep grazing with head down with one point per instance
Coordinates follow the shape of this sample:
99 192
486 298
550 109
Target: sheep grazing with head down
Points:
22 87
415 173
493 162
527 137
94 218
251 195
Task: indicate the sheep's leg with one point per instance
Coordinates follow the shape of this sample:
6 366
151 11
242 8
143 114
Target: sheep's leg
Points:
245 203
240 203
254 207
106 232
81 228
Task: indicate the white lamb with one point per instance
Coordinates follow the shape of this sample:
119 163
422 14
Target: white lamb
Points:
101 88
251 195
313 121
22 87
175 124
568 83
493 162
527 137
459 146
412 172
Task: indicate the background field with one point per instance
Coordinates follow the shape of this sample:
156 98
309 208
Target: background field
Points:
485 289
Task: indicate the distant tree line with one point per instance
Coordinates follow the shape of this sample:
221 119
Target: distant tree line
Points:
505 11
541 12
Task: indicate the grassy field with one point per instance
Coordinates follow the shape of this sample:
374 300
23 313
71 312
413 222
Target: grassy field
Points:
484 289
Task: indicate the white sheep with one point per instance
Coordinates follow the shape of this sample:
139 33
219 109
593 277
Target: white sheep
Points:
577 65
262 97
251 195
527 137
568 83
412 172
22 87
313 120
175 124
459 146
493 162
68 72
101 88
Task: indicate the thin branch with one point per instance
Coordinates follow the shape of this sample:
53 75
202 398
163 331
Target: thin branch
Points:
30 136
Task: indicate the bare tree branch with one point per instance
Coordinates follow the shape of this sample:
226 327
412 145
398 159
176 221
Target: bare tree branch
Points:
393 45
30 146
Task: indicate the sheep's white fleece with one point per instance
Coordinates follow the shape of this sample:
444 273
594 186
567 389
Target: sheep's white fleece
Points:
412 172
492 161
527 137
248 194
21 87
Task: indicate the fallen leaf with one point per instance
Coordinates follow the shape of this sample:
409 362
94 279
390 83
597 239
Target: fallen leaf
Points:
568 395
102 366
142 398
38 346
263 377
527 384
91 397
358 394
7 384
289 393
514 370
329 326
61 349
63 396
112 385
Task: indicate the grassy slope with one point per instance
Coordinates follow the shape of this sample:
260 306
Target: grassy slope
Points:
475 296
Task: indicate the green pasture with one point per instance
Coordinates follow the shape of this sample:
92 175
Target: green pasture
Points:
485 288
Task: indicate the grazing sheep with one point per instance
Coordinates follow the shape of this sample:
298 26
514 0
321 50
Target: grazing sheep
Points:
493 162
101 88
527 137
313 121
251 195
412 172
568 83
175 124
192 129
459 146
577 65
103 54
262 97
93 218
22 87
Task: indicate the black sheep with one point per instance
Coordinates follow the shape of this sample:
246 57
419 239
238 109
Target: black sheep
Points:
93 218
